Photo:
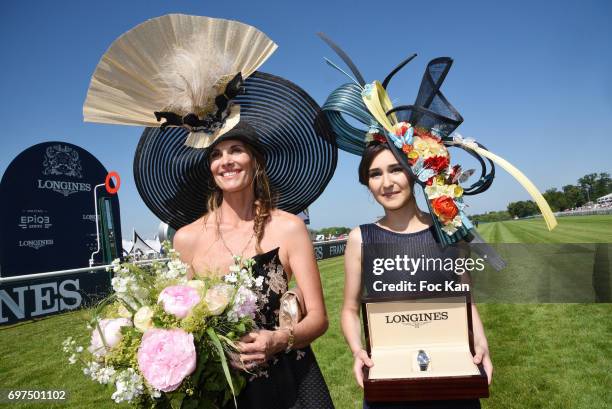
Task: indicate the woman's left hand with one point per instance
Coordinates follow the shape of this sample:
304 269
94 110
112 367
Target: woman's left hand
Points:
258 347
481 349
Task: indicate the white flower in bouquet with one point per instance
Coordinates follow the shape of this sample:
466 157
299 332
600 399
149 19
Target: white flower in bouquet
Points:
99 373
124 312
143 318
121 284
141 294
71 348
175 269
246 278
105 375
245 305
115 266
91 368
218 297
110 336
128 384
197 284
129 300
231 278
68 345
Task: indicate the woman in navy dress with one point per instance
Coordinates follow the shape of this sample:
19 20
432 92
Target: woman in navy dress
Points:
403 223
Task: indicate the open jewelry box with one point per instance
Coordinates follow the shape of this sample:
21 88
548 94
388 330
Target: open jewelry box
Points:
397 329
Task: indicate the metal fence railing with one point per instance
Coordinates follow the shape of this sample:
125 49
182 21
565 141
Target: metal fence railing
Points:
581 212
89 270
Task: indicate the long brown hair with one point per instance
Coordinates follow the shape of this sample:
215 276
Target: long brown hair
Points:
264 197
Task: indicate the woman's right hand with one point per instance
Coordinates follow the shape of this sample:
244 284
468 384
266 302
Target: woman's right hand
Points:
361 359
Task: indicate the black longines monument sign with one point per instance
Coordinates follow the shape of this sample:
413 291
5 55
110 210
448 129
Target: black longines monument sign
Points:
48 223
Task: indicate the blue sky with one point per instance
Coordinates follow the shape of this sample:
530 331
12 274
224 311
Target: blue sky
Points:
531 79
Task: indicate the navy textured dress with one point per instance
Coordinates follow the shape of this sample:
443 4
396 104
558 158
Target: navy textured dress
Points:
421 243
291 380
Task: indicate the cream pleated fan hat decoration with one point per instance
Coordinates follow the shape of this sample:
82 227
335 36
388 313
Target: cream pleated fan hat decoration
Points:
184 69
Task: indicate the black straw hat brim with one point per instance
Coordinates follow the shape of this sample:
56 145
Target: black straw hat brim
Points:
294 136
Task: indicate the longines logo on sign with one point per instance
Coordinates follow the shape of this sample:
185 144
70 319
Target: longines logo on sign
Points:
416 320
90 217
35 244
62 160
47 298
65 188
34 219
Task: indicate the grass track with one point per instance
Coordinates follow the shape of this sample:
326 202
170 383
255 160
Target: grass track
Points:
577 229
545 355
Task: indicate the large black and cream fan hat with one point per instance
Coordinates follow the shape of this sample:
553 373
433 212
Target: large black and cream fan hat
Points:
193 81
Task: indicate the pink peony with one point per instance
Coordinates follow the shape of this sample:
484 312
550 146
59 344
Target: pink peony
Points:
179 299
111 329
166 357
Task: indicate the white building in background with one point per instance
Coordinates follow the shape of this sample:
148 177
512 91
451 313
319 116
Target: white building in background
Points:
141 248
607 199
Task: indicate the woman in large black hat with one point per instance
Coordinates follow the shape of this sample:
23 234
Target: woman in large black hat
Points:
229 157
401 148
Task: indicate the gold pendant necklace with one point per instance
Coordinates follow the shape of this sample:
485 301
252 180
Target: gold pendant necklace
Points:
225 244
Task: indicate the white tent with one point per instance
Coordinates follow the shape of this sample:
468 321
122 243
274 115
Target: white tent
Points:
142 248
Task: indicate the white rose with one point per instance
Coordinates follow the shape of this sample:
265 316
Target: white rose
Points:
142 318
197 284
111 330
218 297
124 312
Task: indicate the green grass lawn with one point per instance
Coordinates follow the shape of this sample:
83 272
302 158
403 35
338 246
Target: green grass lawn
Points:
545 355
575 229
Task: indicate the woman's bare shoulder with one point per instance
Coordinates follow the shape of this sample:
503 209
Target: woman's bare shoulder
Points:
286 222
354 236
186 235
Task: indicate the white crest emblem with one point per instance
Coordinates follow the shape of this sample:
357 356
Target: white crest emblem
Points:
62 160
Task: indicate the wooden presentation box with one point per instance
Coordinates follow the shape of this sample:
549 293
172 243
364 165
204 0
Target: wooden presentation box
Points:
396 329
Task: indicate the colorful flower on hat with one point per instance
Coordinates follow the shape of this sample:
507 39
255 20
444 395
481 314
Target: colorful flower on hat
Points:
437 163
429 160
445 208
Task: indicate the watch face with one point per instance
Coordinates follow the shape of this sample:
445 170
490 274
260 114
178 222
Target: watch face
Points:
422 358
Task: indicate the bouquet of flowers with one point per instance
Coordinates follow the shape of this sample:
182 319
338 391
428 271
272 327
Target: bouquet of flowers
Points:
161 339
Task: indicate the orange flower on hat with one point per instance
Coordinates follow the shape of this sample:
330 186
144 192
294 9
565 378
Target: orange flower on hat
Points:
445 208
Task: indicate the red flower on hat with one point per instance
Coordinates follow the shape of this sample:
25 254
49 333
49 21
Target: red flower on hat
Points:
401 131
379 138
445 208
436 163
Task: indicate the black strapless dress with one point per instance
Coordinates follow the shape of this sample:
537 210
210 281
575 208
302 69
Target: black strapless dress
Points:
291 380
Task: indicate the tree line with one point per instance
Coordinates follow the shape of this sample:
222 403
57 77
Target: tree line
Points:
588 189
